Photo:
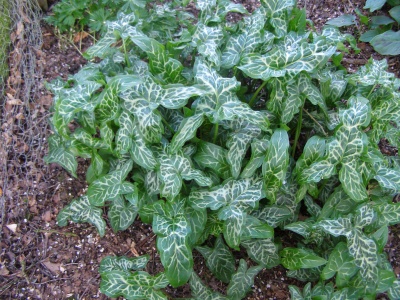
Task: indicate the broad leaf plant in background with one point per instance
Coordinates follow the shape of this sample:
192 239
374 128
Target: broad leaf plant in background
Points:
216 133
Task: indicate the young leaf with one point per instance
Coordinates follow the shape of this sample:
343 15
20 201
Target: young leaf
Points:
219 260
343 20
341 263
137 285
110 186
262 251
121 214
200 291
186 131
81 210
297 258
123 263
242 280
58 153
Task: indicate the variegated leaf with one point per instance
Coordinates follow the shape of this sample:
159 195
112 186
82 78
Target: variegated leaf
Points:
258 153
219 260
212 156
121 214
262 251
238 142
186 131
197 219
364 251
242 281
207 39
340 226
59 154
389 178
123 263
238 46
297 258
389 212
109 103
81 210
201 291
256 229
137 285
341 264
276 162
110 186
173 230
274 215
292 56
174 168
352 181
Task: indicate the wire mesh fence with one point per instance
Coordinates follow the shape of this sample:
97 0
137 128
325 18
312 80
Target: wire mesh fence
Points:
23 123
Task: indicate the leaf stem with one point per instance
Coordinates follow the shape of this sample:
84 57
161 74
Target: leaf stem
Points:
316 122
253 99
128 63
215 133
373 88
298 129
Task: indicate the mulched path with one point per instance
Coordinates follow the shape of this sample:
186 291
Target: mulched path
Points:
40 260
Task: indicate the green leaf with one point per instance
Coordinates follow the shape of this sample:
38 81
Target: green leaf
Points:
389 212
277 11
59 154
238 142
132 286
258 152
247 41
276 162
395 13
122 214
207 40
389 179
343 20
200 291
186 131
292 56
274 214
211 156
352 181
219 260
242 281
110 186
296 258
262 251
341 264
173 169
173 230
394 291
123 263
374 4
387 43
81 210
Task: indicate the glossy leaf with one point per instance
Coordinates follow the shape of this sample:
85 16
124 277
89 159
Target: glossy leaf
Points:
296 258
242 280
81 210
219 260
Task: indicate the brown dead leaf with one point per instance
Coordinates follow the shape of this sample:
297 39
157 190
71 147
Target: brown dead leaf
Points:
133 249
80 36
20 116
47 216
20 28
12 101
52 267
4 271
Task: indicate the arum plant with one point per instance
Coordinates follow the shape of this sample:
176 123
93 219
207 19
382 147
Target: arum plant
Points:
217 134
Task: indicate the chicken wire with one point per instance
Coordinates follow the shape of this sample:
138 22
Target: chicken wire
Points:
23 122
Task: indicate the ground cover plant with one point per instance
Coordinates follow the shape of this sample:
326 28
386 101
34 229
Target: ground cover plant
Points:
216 134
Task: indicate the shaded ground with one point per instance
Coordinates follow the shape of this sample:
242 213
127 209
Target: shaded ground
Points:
39 260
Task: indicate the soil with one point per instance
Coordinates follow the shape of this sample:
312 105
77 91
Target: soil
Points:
40 260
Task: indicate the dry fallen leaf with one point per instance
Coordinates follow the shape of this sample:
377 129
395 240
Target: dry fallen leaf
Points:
4 271
80 36
12 227
133 249
53 267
